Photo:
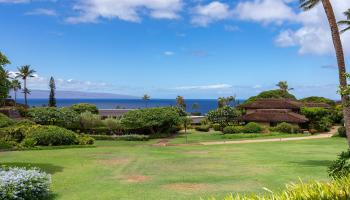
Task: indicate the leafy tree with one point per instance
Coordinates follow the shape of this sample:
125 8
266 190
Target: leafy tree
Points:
224 116
15 86
180 102
315 99
52 99
271 94
346 22
146 98
319 118
225 101
85 107
283 85
24 72
195 109
338 47
4 82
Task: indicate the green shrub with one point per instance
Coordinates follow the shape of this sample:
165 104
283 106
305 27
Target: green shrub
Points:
340 167
63 117
85 107
52 136
25 122
24 184
112 124
286 128
89 120
233 129
252 127
224 116
85 140
4 144
5 121
203 128
216 127
342 131
151 121
337 189
319 118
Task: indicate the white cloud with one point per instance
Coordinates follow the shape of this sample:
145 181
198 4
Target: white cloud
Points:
265 11
42 11
214 11
128 10
314 37
14 1
205 87
168 53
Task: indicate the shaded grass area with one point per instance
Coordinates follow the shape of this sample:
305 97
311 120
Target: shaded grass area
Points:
138 170
193 136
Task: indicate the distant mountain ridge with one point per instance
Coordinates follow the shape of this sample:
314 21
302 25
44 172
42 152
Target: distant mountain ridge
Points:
42 94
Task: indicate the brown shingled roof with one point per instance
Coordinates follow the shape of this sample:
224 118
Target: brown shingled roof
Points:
272 104
274 115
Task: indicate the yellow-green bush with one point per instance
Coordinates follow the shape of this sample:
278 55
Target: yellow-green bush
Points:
335 190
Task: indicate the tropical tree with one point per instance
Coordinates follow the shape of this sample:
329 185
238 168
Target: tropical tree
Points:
346 22
283 85
15 86
146 98
180 102
225 101
4 82
52 99
310 4
25 72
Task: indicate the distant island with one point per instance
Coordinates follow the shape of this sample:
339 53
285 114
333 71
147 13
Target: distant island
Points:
43 94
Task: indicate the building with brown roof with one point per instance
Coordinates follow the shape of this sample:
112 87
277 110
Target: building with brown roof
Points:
270 112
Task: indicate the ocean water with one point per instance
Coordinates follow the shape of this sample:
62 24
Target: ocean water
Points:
205 105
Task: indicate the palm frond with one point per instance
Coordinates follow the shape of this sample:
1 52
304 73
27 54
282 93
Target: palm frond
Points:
308 4
344 30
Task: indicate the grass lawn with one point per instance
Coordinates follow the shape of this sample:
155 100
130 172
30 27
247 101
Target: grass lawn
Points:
138 170
194 136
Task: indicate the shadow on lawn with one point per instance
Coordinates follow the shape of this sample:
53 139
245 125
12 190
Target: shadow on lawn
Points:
48 168
313 163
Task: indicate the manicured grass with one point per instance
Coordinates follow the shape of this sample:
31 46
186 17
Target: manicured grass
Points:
194 136
139 170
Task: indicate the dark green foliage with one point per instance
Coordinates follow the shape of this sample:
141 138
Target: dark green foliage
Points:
275 94
340 167
233 129
252 127
319 118
286 128
25 122
216 127
15 133
315 99
52 136
337 114
85 107
52 98
224 116
5 84
64 117
203 128
5 121
151 120
342 131
180 102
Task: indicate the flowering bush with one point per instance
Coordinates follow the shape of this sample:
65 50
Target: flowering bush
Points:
23 184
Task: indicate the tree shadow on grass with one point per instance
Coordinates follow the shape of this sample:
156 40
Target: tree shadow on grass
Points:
314 163
48 168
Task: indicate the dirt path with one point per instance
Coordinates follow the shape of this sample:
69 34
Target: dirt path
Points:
320 136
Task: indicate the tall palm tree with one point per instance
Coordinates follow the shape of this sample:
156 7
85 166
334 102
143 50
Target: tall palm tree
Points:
146 98
180 102
310 4
15 86
346 22
283 85
24 72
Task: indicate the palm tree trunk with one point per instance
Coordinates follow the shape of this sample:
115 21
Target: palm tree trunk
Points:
25 91
15 97
341 62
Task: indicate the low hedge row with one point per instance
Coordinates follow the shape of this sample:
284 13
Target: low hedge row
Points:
131 137
251 127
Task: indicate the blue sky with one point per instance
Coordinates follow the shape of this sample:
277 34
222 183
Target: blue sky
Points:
198 48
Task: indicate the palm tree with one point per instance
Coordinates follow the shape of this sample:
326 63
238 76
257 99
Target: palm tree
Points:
310 4
15 86
180 102
283 85
146 98
24 73
346 22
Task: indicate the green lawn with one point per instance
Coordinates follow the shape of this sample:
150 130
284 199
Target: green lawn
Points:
193 136
138 170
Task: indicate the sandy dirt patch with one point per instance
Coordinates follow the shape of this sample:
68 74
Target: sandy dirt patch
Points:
187 186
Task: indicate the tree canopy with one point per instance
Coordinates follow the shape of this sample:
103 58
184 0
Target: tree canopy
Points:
315 99
271 94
